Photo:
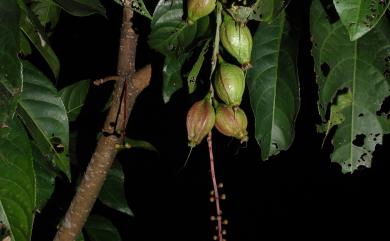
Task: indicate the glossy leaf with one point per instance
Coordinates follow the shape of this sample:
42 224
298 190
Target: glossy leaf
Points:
101 229
358 67
10 66
360 16
45 178
172 80
170 34
113 191
273 86
47 11
73 97
82 8
17 182
32 29
44 114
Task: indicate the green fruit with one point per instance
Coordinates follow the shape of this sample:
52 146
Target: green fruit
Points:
229 84
232 121
237 40
200 121
198 9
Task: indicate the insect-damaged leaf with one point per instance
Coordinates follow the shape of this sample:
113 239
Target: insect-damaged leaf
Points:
359 68
360 16
43 112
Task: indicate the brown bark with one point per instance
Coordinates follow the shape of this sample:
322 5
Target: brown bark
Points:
105 152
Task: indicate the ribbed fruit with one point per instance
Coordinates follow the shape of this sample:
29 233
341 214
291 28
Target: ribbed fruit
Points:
237 40
197 9
229 84
232 121
200 121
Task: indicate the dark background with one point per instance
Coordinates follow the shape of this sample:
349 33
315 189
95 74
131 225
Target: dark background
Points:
295 193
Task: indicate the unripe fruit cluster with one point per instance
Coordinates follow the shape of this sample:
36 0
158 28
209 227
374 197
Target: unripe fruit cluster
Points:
229 82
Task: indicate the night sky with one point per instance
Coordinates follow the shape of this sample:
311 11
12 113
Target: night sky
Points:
293 193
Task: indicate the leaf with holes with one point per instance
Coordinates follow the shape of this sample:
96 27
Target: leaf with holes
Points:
43 112
268 10
113 191
10 66
360 16
47 11
273 86
82 8
31 28
172 80
17 182
170 34
100 228
358 67
73 97
45 178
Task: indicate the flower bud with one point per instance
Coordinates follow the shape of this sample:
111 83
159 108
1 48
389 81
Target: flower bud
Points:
200 121
198 9
229 84
232 121
237 40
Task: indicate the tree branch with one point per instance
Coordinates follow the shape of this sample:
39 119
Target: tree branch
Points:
105 152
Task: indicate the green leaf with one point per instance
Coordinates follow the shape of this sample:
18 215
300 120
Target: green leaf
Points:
193 75
45 178
170 35
82 8
42 111
172 80
268 10
80 237
47 12
360 16
32 29
73 97
10 66
101 229
25 47
113 191
17 182
358 67
273 86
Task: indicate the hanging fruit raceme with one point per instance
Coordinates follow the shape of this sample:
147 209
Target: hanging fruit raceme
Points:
198 9
200 120
237 40
232 121
230 84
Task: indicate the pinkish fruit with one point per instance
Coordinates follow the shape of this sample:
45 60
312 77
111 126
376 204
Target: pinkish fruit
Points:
200 121
232 121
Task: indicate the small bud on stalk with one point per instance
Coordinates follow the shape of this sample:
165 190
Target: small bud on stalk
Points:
232 122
